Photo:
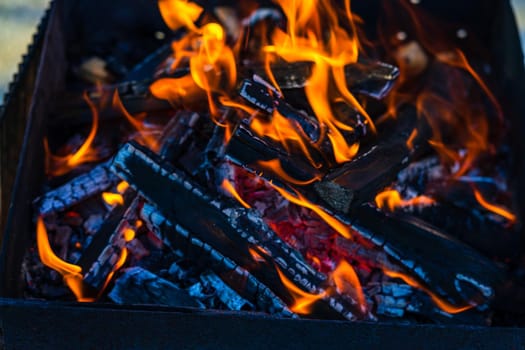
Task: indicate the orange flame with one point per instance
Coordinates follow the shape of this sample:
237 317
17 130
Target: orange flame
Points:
128 234
179 13
440 302
72 274
256 256
281 129
337 225
274 165
496 209
60 165
391 199
212 67
122 259
308 22
303 301
346 282
113 199
459 126
228 187
145 133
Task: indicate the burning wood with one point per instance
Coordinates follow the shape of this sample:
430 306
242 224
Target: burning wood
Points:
291 176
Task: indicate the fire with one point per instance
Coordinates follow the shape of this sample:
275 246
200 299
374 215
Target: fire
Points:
145 133
304 41
122 187
300 200
72 274
461 124
212 66
281 129
179 13
60 165
496 209
113 199
303 301
229 188
440 302
128 234
256 256
274 165
346 282
391 200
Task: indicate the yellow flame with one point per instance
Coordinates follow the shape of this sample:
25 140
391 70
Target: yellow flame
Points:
72 274
305 40
303 301
128 234
113 199
179 13
391 199
228 187
60 165
122 187
347 282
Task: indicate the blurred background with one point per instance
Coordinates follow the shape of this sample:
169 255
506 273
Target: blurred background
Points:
18 20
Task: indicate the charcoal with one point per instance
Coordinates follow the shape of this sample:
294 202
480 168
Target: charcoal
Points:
106 228
258 95
139 286
375 166
73 110
367 77
177 134
76 190
233 230
189 247
246 149
446 266
108 259
227 296
474 228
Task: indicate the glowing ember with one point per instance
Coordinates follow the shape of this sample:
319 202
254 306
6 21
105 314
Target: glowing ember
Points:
113 199
122 187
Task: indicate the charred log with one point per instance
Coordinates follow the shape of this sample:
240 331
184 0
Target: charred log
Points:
446 266
139 286
76 191
375 166
108 260
234 231
366 77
